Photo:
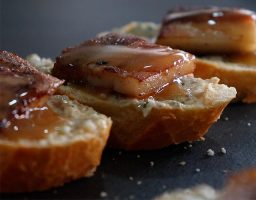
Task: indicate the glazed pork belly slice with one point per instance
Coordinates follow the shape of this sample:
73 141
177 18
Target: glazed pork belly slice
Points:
209 30
124 64
21 87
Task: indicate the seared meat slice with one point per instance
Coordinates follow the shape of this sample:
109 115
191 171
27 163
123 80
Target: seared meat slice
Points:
21 87
125 64
209 30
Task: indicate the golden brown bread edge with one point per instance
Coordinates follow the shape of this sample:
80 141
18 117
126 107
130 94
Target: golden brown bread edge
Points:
135 128
35 169
27 166
242 77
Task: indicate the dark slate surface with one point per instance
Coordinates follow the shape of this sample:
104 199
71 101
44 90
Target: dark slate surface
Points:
121 173
48 26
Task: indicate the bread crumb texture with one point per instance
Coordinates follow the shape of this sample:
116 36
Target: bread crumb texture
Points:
201 192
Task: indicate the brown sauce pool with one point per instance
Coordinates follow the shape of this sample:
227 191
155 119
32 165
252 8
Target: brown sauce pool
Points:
41 121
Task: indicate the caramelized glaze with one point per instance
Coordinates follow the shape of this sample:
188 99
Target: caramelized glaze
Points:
171 91
36 125
211 16
128 59
124 64
167 92
21 86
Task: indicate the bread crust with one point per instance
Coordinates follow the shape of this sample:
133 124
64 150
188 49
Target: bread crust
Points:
33 169
236 75
27 166
160 127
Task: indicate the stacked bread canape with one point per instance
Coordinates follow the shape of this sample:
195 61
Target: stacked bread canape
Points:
146 89
224 39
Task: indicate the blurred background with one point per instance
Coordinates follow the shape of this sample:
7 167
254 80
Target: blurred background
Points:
47 26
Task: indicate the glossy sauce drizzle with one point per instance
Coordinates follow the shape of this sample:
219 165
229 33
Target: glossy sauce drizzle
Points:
40 122
129 59
211 16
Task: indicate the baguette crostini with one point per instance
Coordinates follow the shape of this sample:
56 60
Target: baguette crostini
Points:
46 140
146 89
224 40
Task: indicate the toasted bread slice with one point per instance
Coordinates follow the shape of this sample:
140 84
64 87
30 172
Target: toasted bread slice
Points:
185 113
240 76
60 143
209 30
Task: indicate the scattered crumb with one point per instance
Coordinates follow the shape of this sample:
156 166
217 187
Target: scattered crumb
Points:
103 194
131 197
131 178
182 163
185 148
202 138
225 171
55 191
190 146
139 182
138 156
197 170
249 124
164 187
226 118
120 152
223 150
210 152
152 163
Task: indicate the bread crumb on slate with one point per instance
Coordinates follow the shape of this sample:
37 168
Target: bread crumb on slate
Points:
249 124
182 163
139 182
197 170
152 163
210 152
103 194
223 150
